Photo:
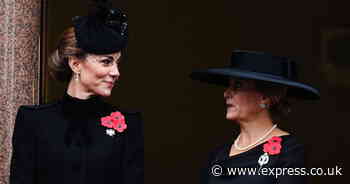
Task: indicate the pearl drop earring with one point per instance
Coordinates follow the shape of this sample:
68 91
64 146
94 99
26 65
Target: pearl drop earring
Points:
264 106
77 76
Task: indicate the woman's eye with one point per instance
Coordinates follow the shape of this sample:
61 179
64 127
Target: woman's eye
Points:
238 85
107 61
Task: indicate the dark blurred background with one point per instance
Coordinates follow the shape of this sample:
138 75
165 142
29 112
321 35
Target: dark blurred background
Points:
184 119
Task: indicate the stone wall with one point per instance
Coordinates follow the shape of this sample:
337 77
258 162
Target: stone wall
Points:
20 23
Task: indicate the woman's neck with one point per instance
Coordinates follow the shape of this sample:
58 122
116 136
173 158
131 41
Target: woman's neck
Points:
253 130
75 89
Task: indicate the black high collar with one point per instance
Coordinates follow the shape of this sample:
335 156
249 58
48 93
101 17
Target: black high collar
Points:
78 112
81 108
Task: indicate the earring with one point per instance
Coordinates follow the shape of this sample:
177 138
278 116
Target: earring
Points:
264 106
77 76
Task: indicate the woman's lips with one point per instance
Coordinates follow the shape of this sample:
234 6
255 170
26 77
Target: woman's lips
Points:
110 84
231 106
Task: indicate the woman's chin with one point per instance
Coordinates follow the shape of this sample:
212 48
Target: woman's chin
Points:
230 116
105 92
232 113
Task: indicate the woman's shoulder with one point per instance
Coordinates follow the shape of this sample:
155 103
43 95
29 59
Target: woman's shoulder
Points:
131 113
38 107
219 152
128 113
40 112
292 152
291 143
133 117
29 115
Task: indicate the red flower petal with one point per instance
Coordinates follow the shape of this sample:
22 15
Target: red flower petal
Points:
107 122
116 115
116 121
275 149
275 139
267 148
272 148
120 126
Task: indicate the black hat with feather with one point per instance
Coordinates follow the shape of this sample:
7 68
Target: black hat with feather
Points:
103 31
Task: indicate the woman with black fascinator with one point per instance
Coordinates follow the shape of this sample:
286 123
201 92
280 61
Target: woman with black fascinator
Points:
80 138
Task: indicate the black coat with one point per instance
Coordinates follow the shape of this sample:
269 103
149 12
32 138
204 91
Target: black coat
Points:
65 143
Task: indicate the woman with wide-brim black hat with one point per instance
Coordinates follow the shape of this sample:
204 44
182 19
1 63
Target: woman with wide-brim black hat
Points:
258 87
81 139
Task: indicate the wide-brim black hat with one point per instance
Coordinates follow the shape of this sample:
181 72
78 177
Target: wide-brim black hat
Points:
259 66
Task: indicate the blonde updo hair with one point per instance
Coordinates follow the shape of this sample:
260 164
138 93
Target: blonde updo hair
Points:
66 49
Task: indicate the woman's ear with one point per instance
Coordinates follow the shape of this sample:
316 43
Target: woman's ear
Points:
265 100
74 64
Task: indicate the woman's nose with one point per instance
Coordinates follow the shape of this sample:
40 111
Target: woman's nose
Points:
228 93
115 71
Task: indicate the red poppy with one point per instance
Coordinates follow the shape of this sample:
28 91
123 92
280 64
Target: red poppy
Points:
116 121
107 122
273 146
275 139
119 125
116 114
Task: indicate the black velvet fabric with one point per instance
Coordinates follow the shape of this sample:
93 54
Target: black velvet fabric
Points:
77 112
291 156
103 31
64 142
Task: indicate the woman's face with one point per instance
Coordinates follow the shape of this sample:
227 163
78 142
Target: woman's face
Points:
99 73
242 100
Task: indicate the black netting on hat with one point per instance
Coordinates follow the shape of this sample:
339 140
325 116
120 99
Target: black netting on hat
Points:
103 31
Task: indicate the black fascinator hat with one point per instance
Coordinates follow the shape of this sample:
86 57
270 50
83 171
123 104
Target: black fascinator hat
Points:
103 31
259 66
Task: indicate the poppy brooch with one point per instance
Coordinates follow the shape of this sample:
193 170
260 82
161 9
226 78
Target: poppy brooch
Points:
114 122
272 147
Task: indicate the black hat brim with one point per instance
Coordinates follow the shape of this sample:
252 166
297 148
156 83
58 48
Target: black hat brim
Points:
221 76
